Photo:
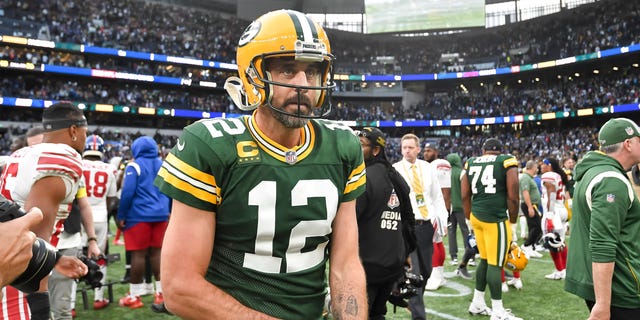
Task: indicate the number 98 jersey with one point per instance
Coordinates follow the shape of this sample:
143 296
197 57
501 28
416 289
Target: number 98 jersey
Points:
488 177
274 206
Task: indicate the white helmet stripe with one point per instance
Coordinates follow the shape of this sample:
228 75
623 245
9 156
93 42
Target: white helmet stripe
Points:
303 21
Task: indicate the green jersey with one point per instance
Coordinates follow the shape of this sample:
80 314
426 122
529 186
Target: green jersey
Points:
274 206
488 177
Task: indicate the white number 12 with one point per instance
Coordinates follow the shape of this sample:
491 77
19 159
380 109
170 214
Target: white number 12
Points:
263 196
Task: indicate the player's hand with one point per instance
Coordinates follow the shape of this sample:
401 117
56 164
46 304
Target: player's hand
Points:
92 250
600 312
71 267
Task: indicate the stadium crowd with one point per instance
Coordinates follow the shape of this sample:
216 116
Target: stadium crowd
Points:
490 100
202 34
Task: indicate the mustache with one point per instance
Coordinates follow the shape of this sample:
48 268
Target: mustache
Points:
302 100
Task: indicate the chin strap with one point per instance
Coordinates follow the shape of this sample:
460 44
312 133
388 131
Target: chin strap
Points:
233 85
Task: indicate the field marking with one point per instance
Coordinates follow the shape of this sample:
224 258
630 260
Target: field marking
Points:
462 290
442 315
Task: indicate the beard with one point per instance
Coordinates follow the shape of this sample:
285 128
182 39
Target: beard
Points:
289 120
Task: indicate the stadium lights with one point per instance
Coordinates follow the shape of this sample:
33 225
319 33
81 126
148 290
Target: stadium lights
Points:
635 65
577 74
615 68
596 71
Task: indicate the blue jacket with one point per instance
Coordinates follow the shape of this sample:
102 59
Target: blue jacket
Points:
140 200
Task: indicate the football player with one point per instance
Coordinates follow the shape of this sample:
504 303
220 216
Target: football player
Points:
490 199
100 181
47 176
555 215
443 169
261 202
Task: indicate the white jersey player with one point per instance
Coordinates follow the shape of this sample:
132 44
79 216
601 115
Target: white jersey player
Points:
46 176
100 180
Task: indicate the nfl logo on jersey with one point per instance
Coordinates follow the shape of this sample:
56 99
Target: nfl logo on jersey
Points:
611 198
291 157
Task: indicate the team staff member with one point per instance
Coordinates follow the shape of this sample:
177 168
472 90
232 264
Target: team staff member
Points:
604 261
262 201
531 206
381 212
429 211
489 193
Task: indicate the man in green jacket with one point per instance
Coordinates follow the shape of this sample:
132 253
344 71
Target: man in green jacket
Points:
603 264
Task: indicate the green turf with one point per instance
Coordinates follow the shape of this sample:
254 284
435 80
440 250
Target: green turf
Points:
539 299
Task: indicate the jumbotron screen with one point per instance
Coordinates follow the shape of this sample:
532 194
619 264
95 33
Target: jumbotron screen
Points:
384 16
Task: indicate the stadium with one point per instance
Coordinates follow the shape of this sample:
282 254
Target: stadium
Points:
541 78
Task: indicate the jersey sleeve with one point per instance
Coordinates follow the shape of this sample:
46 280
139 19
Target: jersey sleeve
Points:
611 199
443 169
112 188
61 161
353 161
510 161
187 174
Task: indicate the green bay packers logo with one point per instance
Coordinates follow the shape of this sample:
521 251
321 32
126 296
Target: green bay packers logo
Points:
249 33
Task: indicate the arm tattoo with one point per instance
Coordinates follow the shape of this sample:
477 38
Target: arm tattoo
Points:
352 306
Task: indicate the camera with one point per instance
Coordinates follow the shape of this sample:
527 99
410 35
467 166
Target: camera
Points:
94 275
407 286
44 255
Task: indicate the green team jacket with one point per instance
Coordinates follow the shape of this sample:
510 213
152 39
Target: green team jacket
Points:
604 228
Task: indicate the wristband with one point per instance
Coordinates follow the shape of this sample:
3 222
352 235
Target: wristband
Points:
92 239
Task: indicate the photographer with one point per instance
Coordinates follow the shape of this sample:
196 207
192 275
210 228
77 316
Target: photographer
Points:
16 240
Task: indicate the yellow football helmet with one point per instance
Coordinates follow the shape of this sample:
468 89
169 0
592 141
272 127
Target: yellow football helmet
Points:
517 260
281 33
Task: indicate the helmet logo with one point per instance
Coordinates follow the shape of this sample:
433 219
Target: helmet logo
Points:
250 33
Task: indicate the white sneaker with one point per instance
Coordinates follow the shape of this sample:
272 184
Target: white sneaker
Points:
479 309
528 250
505 287
556 275
504 315
534 254
454 262
472 263
515 282
435 282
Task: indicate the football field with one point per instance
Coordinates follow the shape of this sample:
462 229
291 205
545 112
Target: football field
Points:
539 299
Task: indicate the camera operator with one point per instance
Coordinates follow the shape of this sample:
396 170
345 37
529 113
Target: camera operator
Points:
47 176
16 240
